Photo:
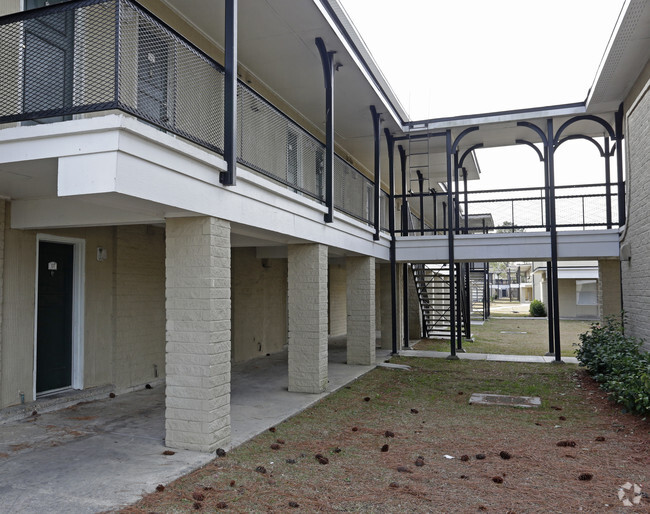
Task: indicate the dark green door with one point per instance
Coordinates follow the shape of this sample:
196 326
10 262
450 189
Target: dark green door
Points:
54 316
49 62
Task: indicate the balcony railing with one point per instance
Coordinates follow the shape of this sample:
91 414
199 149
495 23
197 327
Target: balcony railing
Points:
577 207
88 56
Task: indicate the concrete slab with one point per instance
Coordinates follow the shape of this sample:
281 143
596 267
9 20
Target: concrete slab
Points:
526 402
390 365
99 455
486 357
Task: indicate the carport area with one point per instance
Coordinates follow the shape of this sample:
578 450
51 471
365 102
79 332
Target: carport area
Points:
101 454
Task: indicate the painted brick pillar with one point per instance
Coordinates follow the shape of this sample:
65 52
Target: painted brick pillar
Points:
609 288
197 415
307 306
361 310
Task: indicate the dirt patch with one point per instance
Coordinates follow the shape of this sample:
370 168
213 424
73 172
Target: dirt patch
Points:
451 457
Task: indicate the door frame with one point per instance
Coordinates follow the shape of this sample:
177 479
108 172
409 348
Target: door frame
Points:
78 282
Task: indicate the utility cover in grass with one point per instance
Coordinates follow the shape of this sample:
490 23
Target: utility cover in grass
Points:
526 402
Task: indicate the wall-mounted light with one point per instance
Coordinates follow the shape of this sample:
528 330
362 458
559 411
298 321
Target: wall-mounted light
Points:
102 254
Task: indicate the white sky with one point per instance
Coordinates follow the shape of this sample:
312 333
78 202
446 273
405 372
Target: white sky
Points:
477 56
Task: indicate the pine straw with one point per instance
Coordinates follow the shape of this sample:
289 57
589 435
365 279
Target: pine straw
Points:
540 476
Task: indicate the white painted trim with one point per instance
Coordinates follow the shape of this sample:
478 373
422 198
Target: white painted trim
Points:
78 302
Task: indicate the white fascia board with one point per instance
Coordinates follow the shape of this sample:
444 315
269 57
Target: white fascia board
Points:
498 117
142 162
46 213
68 138
508 247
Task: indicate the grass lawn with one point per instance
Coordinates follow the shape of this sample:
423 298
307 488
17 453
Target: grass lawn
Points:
506 336
409 441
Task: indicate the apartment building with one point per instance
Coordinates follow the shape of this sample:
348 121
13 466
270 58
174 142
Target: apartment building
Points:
185 184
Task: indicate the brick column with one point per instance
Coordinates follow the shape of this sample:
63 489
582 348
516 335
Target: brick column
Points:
609 288
361 310
197 415
307 305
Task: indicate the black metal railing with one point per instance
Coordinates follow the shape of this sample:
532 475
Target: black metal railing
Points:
89 56
577 207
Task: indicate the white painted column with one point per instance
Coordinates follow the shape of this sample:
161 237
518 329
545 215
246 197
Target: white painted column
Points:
197 415
307 305
361 310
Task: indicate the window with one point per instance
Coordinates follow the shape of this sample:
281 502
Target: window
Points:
586 292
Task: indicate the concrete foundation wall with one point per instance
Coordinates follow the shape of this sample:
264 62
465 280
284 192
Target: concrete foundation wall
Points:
337 299
259 304
139 305
635 247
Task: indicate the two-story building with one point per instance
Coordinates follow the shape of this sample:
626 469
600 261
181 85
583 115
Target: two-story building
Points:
184 184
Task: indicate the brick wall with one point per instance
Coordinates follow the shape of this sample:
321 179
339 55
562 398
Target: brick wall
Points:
139 305
636 271
259 304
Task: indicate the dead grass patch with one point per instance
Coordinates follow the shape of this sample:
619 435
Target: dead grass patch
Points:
444 455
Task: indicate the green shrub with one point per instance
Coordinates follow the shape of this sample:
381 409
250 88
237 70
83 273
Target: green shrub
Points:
617 362
537 309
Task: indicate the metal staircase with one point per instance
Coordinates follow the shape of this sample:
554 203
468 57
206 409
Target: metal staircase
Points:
432 285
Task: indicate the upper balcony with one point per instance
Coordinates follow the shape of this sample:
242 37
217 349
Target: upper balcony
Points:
88 57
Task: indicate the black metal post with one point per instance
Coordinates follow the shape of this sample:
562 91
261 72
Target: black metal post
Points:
550 142
421 185
376 126
459 309
450 239
229 177
434 194
456 194
327 60
405 207
619 165
608 184
466 201
390 142
468 303
405 301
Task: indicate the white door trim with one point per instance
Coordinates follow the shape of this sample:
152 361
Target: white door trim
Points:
78 287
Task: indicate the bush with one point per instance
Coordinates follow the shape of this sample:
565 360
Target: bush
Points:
537 309
617 362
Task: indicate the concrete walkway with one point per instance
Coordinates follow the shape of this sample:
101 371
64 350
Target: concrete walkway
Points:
99 455
486 357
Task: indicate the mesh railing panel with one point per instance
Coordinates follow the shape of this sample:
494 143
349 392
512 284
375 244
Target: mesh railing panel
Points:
353 192
57 62
272 144
576 207
165 80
